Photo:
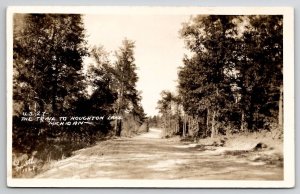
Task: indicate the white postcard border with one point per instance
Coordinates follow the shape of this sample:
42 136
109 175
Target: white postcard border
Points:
288 81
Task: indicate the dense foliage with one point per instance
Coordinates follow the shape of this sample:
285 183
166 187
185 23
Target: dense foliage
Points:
50 80
232 79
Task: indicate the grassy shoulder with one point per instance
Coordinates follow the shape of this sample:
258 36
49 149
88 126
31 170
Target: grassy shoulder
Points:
28 165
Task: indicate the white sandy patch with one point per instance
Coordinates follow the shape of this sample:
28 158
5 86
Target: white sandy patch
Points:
166 164
141 156
192 145
256 163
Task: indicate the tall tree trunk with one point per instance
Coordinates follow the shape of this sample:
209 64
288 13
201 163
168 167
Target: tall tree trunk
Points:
165 125
177 124
280 108
119 128
242 121
117 123
116 127
184 126
213 122
207 122
188 125
198 127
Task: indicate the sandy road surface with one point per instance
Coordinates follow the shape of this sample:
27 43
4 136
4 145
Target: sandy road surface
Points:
147 156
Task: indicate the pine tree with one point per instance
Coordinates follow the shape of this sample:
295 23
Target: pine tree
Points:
100 81
51 47
48 54
128 100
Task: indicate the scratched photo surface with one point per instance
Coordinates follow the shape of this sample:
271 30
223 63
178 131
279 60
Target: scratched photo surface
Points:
147 96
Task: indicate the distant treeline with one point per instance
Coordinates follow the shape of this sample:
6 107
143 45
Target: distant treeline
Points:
231 80
49 76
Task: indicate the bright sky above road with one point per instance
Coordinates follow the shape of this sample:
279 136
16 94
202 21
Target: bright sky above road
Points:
158 53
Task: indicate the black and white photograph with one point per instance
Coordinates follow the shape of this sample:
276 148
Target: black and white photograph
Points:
150 97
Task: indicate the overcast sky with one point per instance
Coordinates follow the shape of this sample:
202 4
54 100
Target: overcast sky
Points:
158 53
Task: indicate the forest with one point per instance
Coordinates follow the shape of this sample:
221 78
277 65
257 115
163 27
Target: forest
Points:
230 82
49 78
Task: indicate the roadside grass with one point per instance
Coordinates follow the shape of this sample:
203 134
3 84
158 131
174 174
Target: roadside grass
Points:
28 165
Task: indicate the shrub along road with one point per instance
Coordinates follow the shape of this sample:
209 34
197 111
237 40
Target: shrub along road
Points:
147 156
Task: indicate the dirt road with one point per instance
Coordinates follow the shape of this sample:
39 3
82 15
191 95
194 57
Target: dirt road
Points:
147 156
